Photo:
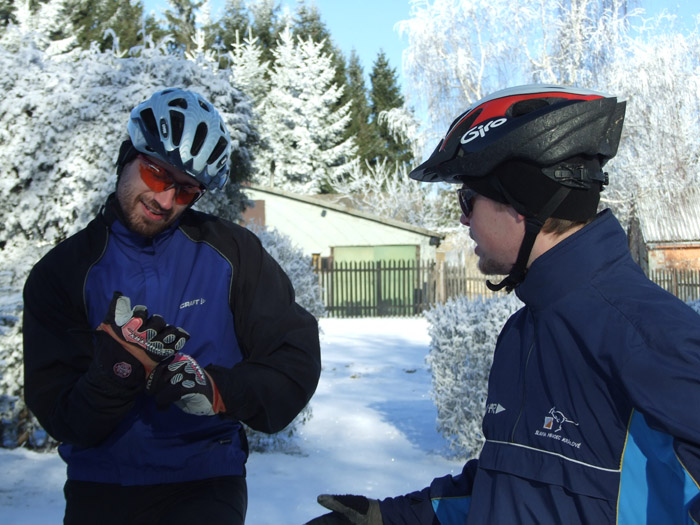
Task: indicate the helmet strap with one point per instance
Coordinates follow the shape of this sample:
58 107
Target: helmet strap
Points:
533 226
127 153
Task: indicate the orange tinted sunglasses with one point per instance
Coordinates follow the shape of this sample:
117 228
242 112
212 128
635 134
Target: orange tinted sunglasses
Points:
158 179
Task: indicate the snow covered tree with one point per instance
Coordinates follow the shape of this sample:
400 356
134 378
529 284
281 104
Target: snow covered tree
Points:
181 21
461 50
7 13
302 132
659 77
267 24
62 119
385 95
249 70
463 337
46 22
72 24
105 23
231 27
308 25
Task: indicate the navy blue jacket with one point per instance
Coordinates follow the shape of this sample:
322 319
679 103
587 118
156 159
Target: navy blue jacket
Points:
208 276
592 410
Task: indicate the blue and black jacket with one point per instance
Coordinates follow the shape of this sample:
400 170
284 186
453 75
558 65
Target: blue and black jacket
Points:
208 276
592 410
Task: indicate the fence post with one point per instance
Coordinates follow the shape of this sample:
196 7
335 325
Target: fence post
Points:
378 290
440 275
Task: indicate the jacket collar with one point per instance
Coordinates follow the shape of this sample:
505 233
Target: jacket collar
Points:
574 262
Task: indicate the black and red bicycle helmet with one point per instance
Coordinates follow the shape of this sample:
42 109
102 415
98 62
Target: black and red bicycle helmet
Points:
539 148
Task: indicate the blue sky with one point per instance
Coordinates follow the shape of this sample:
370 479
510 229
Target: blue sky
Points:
365 25
368 25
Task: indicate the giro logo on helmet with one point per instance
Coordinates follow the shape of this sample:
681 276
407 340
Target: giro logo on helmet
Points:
481 130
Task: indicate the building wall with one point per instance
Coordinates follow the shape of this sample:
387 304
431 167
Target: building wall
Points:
674 257
316 228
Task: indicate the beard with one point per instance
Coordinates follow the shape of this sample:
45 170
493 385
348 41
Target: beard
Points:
131 203
492 267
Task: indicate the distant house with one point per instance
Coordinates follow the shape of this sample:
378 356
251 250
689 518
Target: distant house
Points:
664 231
332 231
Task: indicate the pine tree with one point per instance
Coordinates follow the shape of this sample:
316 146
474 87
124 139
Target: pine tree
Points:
181 22
249 72
385 95
308 25
7 13
302 132
232 27
365 134
90 21
266 26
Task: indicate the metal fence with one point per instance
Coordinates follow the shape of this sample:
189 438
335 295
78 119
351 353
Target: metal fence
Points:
406 288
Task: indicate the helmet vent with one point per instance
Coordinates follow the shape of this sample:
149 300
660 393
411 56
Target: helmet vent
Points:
203 105
218 150
177 123
199 137
178 102
149 120
523 107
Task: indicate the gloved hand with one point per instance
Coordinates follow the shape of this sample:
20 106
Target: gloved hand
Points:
113 368
149 339
186 384
348 509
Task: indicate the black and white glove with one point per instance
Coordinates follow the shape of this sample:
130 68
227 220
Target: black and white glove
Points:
348 509
149 338
181 381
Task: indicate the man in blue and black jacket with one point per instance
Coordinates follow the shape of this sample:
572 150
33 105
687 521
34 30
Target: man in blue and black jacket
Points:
150 335
591 415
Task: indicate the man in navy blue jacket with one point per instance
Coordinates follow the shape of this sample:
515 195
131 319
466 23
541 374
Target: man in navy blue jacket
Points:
150 335
591 411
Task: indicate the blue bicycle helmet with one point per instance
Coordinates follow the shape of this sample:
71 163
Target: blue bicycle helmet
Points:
183 129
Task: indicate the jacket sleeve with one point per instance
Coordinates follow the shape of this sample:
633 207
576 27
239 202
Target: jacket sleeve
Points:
661 376
445 502
75 397
280 343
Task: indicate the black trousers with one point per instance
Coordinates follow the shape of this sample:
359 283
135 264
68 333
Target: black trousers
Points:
213 501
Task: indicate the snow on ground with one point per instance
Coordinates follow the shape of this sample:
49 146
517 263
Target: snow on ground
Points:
372 433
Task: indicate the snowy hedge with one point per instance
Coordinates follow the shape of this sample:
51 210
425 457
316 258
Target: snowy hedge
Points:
308 294
463 336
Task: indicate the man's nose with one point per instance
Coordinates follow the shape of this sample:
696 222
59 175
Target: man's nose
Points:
166 198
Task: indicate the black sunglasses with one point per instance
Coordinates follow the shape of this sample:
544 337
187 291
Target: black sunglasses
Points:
466 200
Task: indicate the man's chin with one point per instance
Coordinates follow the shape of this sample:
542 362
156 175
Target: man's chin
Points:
491 267
148 228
